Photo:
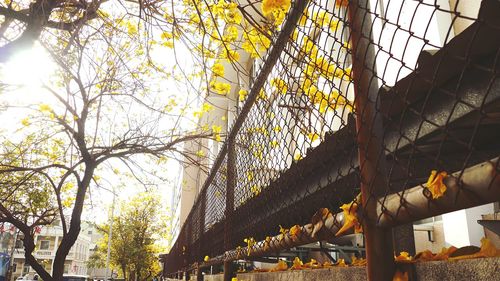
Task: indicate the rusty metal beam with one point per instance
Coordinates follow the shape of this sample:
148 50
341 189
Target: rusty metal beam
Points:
477 185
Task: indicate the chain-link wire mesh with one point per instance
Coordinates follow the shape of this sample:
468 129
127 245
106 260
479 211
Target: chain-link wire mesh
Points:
361 103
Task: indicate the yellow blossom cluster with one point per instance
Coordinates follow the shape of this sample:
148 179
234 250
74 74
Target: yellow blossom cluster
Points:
276 9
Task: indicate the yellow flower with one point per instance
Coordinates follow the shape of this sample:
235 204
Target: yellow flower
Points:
26 121
297 264
435 184
255 190
200 153
281 266
231 33
221 88
206 258
218 69
403 257
242 94
44 107
297 156
276 9
250 242
250 175
312 136
350 218
274 143
341 263
280 85
295 231
283 232
216 129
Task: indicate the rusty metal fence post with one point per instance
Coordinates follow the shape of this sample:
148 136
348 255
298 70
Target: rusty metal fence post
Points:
230 185
378 241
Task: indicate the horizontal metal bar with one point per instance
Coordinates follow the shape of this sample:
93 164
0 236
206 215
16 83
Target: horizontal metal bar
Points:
476 186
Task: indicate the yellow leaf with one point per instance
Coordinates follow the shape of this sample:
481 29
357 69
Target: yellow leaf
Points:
206 258
435 184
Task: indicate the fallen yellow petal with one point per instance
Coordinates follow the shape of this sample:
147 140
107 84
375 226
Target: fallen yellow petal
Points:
341 263
404 257
294 232
281 266
350 217
297 264
435 184
358 261
488 250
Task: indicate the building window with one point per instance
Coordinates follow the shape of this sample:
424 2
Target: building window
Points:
66 268
44 245
26 269
14 267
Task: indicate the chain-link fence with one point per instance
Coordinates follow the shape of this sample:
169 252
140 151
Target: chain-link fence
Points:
354 106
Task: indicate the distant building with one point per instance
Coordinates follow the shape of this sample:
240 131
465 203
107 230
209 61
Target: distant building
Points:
46 241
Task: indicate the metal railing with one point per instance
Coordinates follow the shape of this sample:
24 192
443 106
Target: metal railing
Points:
354 106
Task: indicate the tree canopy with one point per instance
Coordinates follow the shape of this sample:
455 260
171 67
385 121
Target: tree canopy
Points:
137 228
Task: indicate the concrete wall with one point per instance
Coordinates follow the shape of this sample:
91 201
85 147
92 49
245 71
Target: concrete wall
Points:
422 242
461 227
464 270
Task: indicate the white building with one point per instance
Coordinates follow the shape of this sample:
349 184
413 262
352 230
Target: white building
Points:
46 243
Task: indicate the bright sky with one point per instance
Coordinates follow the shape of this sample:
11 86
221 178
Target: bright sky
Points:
29 69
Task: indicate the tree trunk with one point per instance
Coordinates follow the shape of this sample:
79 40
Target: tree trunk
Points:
70 238
124 271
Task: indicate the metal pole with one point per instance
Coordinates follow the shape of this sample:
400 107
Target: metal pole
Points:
230 186
110 236
379 246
